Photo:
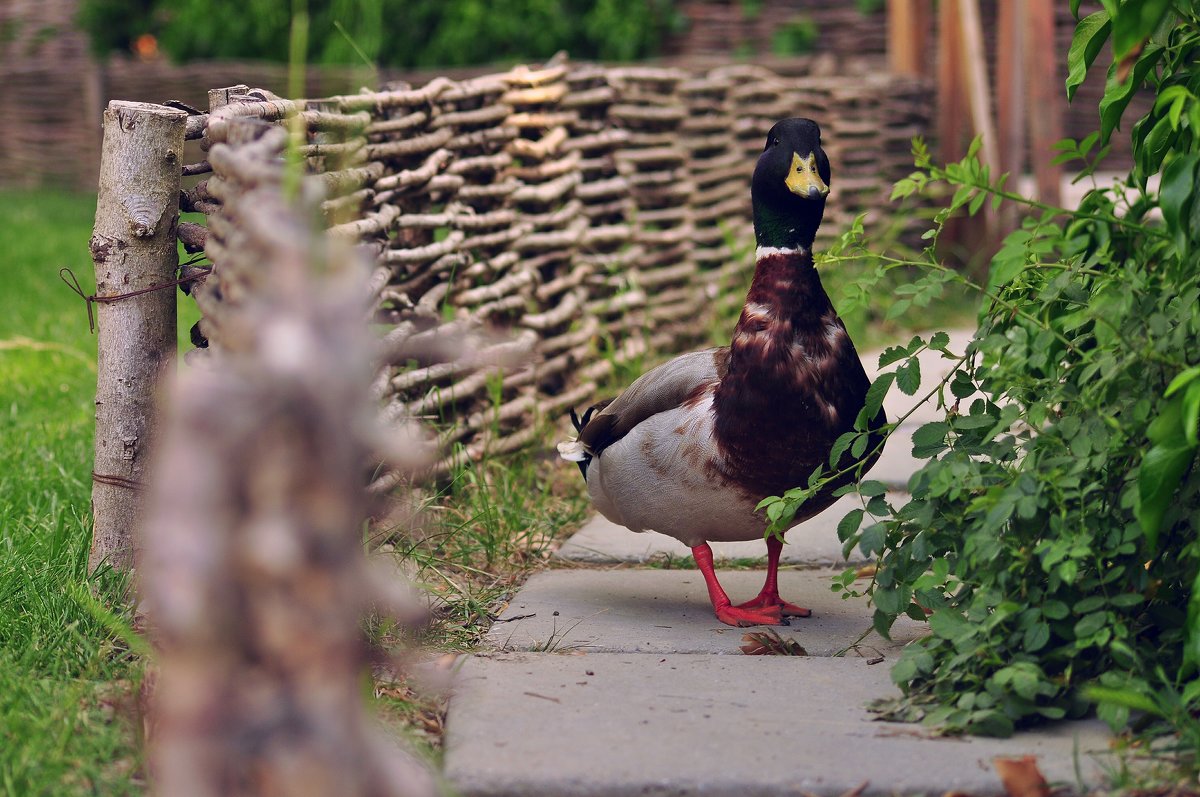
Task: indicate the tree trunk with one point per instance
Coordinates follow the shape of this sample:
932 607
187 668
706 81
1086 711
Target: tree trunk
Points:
133 248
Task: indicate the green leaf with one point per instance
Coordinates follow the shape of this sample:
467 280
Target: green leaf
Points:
949 624
905 670
1055 610
1036 637
968 422
892 354
1128 599
1172 99
976 203
1122 697
840 445
859 446
915 612
1089 38
1154 146
993 723
908 376
1191 415
961 385
974 147
882 623
875 394
930 435
849 524
871 488
1090 624
1191 647
1008 262
888 600
898 309
1117 94
1175 196
1161 470
1182 379
1134 23
1167 429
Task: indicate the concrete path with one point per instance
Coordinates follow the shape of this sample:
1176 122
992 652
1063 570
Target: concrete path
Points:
602 680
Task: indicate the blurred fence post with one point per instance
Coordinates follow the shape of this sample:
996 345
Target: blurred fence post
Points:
253 573
133 249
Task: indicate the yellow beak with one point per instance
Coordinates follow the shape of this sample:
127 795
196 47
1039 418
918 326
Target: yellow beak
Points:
803 180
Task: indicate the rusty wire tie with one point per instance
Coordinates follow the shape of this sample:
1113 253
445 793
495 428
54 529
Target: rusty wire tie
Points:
117 481
68 277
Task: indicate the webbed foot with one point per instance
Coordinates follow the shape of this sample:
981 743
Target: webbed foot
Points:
743 617
766 600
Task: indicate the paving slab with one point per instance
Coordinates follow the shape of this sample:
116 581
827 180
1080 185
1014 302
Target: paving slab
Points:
813 542
614 725
668 611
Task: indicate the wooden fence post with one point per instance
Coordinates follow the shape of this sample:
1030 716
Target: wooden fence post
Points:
133 248
908 37
1045 97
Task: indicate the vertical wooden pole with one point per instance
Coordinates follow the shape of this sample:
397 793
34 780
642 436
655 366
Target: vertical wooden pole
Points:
1010 97
1045 98
133 247
979 93
950 91
1010 85
908 37
94 89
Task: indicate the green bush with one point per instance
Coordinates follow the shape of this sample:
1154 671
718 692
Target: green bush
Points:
1051 534
395 33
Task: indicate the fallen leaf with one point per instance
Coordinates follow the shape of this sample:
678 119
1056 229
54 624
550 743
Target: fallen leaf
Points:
1021 776
769 643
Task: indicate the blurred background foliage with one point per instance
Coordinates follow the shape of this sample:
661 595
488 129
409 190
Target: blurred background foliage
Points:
418 33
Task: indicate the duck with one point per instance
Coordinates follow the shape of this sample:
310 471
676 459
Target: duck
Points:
692 446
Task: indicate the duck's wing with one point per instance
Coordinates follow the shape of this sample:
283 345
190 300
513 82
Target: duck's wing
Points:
658 390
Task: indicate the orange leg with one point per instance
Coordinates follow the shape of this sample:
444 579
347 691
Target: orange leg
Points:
727 613
769 597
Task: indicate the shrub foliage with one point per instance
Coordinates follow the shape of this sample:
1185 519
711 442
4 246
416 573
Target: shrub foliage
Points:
1050 538
394 33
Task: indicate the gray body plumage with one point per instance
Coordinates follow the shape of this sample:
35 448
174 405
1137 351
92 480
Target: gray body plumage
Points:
664 471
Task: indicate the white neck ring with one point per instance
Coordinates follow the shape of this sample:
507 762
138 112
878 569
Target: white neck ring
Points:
770 251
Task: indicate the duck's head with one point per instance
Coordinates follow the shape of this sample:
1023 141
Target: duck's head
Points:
789 186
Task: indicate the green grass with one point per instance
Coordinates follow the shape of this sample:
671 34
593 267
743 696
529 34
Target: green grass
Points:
69 720
67 686
490 525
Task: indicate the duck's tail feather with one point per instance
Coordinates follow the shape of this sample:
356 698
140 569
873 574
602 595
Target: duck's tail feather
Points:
574 450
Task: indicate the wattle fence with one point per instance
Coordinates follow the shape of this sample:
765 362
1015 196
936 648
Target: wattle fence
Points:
565 220
594 213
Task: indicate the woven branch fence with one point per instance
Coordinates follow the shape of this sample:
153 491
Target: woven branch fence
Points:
592 215
572 205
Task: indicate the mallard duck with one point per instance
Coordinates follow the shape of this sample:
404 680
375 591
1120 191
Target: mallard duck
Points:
692 446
